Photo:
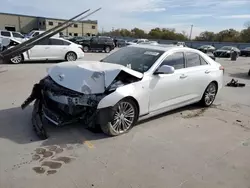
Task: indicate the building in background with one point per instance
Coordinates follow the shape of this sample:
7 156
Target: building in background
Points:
25 24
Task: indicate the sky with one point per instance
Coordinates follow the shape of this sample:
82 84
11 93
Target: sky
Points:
211 15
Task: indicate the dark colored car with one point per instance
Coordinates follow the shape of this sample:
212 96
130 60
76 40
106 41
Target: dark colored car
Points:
121 43
245 52
226 51
98 44
206 48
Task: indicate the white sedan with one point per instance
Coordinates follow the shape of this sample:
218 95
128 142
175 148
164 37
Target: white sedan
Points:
50 49
131 84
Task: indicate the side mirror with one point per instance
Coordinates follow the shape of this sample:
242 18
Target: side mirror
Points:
165 69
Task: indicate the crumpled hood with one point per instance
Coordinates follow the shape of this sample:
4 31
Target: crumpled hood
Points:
88 77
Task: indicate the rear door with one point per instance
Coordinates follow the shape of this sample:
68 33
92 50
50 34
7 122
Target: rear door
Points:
57 49
198 75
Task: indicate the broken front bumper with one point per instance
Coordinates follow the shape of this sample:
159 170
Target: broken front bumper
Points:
61 106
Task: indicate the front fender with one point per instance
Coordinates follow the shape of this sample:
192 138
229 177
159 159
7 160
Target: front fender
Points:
137 90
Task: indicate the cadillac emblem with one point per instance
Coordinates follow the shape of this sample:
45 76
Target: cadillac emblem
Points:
61 77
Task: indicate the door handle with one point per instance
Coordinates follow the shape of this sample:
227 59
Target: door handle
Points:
183 76
207 71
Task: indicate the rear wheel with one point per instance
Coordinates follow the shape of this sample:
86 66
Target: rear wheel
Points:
85 48
209 95
17 59
124 118
71 56
107 49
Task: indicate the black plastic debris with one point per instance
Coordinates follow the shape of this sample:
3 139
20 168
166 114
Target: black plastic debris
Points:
235 83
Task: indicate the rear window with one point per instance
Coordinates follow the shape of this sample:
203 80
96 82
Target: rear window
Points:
138 59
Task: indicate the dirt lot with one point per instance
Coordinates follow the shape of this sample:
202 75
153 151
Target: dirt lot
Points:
189 148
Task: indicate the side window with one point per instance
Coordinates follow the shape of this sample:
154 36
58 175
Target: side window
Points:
175 60
5 33
203 62
55 42
66 43
17 35
94 40
35 34
44 42
193 59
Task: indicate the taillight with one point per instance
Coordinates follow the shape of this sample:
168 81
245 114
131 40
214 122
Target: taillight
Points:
81 48
222 68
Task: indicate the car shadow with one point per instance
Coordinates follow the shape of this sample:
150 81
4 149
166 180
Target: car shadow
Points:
16 126
241 75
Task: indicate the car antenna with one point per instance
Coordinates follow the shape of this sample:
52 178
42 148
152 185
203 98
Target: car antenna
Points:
20 48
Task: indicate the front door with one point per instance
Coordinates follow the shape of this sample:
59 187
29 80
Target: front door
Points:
169 90
39 51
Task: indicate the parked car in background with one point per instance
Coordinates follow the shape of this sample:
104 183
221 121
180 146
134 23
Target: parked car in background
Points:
12 35
226 51
206 48
137 41
150 42
50 49
245 52
134 83
98 43
34 33
121 43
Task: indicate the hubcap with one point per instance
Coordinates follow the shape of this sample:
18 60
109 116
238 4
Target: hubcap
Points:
123 118
71 57
210 94
85 49
16 59
107 49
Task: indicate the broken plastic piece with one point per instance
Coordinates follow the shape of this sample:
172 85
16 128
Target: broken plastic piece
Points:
234 83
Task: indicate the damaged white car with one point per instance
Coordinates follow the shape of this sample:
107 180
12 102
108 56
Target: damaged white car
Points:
131 84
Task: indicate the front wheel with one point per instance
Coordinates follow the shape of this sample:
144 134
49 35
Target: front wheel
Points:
17 59
124 118
209 95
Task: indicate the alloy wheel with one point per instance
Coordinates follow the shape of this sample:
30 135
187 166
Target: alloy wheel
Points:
71 56
123 117
17 59
210 94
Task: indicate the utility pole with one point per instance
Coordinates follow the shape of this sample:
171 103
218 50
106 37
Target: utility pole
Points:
191 30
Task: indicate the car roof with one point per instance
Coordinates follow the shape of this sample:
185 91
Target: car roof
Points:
162 47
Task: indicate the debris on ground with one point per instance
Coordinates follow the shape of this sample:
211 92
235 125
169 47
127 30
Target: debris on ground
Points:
235 83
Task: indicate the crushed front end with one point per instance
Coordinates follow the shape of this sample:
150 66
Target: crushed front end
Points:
60 106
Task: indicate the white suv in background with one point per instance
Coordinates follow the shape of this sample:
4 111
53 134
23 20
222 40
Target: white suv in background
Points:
51 49
11 34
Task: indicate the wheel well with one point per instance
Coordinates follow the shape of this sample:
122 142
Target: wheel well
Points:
135 101
106 46
216 83
70 52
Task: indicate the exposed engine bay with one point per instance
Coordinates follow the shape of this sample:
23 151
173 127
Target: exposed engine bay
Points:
62 106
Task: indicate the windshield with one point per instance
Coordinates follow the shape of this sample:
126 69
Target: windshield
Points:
226 48
138 59
30 34
17 35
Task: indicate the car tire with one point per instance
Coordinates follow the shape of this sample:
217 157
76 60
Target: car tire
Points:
115 127
85 48
107 49
17 59
71 56
209 95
